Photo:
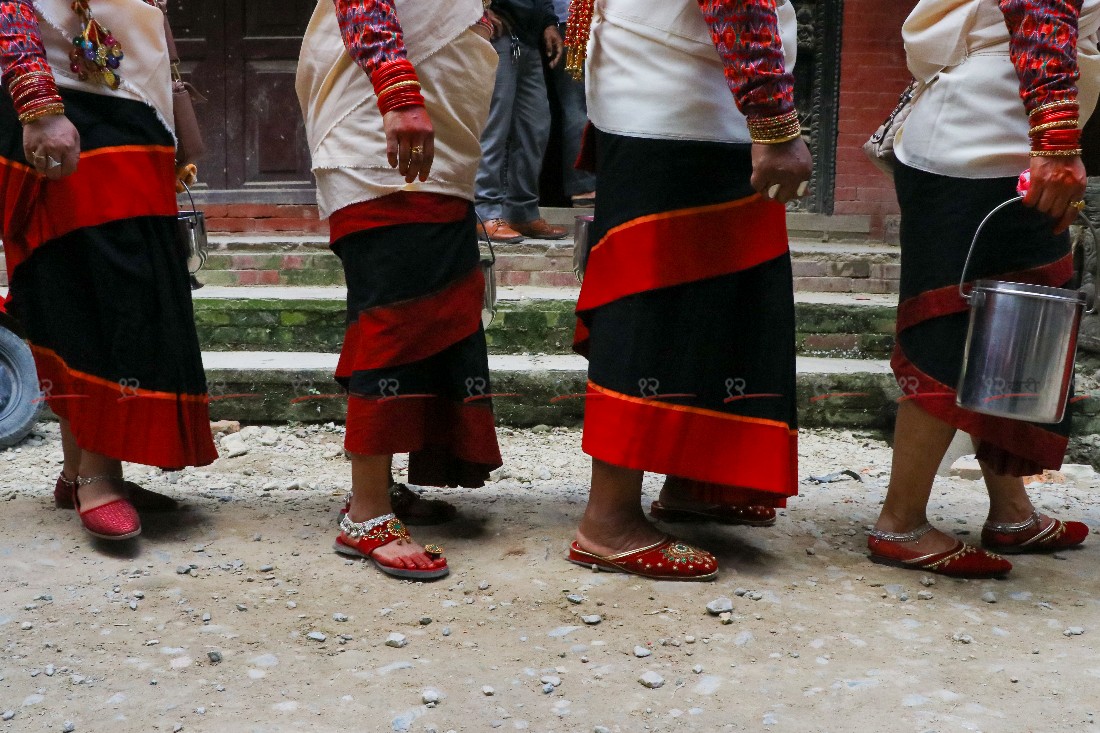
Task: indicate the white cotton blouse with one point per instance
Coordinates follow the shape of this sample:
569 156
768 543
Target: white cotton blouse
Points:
968 120
653 71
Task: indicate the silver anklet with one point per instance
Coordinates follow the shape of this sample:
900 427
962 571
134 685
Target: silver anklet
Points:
1010 527
67 482
92 479
356 530
913 536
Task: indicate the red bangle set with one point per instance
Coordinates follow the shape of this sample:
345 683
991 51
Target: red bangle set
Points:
1054 130
396 86
34 94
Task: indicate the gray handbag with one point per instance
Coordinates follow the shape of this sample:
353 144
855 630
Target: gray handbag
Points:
880 147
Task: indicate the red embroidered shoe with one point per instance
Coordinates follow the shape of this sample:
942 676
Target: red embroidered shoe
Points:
749 516
115 520
961 561
1016 538
141 498
361 539
668 559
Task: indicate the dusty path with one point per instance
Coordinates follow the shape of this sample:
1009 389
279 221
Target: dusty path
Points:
121 639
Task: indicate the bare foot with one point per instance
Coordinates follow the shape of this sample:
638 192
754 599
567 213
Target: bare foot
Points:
403 554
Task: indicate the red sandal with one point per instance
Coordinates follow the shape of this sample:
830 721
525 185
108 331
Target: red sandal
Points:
1009 537
361 539
668 559
961 561
749 516
115 520
141 498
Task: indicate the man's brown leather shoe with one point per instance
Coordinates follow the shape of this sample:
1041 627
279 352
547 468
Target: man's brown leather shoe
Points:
539 229
497 230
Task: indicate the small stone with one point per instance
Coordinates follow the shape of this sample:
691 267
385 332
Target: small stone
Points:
488 691
547 689
206 618
928 581
8 715
810 551
200 710
50 670
740 592
183 569
1013 679
425 620
215 657
726 618
697 669
574 598
133 605
651 679
989 597
316 636
446 630
234 445
754 595
483 585
68 727
340 617
242 607
720 605
924 595
26 626
601 729
430 697
689 639
177 728
266 568
1073 631
963 638
291 605
139 595
592 619
641 652
550 680
396 640
903 596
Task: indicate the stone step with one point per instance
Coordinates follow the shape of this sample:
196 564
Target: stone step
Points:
267 387
823 267
528 320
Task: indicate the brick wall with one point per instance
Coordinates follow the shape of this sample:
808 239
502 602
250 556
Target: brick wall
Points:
261 218
872 74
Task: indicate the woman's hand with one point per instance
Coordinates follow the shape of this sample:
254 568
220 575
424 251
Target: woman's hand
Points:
781 171
52 146
498 24
410 142
1056 183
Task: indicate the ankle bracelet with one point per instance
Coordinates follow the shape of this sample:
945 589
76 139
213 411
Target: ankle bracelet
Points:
913 536
1013 526
356 530
85 480
66 482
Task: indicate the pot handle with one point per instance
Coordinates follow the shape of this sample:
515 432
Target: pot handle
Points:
1093 307
190 197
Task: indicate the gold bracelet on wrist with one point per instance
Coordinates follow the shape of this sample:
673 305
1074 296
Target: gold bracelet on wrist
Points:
52 109
775 130
777 140
398 85
1058 125
1053 105
1055 153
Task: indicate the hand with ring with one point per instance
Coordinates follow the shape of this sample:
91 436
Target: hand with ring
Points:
410 142
1057 188
52 146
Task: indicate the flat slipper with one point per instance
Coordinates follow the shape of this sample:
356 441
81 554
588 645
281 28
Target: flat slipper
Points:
668 559
361 539
749 516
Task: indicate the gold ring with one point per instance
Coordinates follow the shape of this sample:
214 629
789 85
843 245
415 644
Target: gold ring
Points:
433 550
417 150
1079 205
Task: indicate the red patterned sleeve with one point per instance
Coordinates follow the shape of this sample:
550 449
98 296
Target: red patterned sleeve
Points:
746 34
1043 47
371 32
21 49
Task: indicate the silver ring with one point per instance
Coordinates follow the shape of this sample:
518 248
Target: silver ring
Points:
51 163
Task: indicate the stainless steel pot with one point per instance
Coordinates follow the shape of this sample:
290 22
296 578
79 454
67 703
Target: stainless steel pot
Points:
489 300
191 226
581 227
1020 345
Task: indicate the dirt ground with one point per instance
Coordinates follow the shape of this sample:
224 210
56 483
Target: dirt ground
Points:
235 615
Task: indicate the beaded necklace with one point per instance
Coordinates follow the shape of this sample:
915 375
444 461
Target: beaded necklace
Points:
96 54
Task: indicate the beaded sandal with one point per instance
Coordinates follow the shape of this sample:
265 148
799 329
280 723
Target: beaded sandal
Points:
115 520
961 561
668 559
1058 535
361 539
749 516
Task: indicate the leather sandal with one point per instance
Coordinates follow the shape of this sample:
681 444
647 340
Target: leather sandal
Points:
412 508
749 516
1015 538
141 498
668 559
361 539
115 520
961 561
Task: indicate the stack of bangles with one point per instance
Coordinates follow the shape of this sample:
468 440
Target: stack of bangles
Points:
1054 130
35 96
396 86
774 130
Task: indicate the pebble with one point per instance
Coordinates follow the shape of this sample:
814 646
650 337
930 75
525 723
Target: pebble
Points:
928 581
574 598
27 626
50 670
430 697
547 689
446 630
483 585
726 618
266 568
215 657
989 597
234 446
592 619
651 679
396 640
1073 631
697 669
740 592
291 605
601 729
341 617
550 680
68 727
754 595
963 638
8 715
183 569
641 652
904 596
242 607
924 595
316 636
810 551
689 639
720 605
488 691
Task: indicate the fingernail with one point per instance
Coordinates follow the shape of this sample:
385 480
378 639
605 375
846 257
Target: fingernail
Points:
773 191
802 188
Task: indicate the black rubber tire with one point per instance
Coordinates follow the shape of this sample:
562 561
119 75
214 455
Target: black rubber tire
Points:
19 389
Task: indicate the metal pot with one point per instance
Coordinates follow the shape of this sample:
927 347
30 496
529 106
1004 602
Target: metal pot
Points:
581 227
1020 346
191 226
489 300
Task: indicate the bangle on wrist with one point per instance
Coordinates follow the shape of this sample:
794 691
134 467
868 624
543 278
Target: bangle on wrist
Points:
53 109
774 130
1055 153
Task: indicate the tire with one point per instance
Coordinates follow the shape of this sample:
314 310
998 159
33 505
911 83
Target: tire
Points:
19 389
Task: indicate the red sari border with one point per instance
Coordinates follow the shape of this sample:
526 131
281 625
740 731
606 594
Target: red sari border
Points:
403 207
742 453
130 424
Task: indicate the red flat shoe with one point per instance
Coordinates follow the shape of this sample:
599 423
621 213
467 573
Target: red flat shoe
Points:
1013 538
361 539
668 559
961 561
115 520
749 516
141 498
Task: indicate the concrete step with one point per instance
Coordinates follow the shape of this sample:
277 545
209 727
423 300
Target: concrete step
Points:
528 320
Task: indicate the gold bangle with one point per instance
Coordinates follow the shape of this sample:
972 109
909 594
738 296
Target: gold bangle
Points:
1059 125
397 85
775 129
1053 105
50 110
776 140
1055 153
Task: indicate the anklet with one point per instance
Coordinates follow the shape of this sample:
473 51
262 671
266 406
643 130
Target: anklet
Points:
84 481
913 536
355 530
1013 526
66 482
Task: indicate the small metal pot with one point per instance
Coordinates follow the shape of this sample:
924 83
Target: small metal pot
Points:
581 227
489 300
191 227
